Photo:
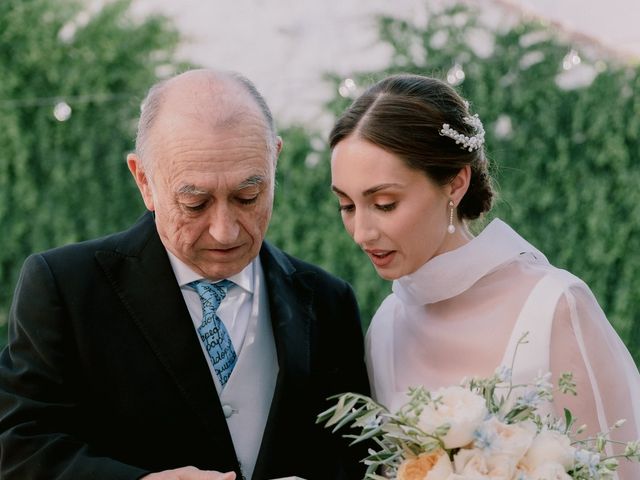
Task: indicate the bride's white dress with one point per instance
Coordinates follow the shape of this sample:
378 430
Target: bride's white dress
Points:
462 313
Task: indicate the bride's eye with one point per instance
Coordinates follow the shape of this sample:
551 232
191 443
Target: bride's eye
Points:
346 208
386 207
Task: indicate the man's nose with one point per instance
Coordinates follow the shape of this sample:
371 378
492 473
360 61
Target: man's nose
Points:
223 225
364 229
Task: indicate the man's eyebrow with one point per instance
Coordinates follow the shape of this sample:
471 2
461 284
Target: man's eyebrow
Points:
191 189
252 181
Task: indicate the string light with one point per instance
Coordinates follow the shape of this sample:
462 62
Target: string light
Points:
456 75
571 60
62 111
503 127
347 88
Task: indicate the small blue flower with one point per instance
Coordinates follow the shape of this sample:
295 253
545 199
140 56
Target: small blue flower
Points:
589 459
373 423
529 399
483 437
504 374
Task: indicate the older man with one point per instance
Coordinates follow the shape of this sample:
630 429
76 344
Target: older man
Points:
185 347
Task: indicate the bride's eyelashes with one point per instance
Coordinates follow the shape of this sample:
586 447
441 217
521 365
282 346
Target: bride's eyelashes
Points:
346 208
387 207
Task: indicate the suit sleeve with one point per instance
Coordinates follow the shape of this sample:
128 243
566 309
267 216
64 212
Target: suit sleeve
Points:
40 390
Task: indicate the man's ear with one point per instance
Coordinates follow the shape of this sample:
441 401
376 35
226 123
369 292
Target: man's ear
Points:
137 170
460 184
278 147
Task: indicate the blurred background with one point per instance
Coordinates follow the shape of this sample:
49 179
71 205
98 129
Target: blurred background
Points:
556 84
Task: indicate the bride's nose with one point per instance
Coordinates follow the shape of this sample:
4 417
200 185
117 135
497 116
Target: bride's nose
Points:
364 229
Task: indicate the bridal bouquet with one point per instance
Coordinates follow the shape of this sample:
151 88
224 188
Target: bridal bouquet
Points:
483 429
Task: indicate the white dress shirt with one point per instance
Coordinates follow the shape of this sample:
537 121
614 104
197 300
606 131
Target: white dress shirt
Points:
246 397
235 310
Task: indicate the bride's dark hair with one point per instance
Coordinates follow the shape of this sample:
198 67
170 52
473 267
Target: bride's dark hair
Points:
403 114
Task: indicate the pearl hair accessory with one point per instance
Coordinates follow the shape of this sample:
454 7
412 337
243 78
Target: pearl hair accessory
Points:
468 143
451 228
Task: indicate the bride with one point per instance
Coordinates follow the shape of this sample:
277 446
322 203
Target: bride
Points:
409 171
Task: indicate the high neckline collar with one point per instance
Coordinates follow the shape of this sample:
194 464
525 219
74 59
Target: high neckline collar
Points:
454 272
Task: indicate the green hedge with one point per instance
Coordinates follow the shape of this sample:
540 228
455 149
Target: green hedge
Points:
63 181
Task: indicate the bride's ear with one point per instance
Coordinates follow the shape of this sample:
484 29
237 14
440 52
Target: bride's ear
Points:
460 184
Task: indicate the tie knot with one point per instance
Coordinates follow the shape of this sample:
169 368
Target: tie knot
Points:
212 292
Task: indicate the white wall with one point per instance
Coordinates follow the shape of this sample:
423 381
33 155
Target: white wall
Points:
285 46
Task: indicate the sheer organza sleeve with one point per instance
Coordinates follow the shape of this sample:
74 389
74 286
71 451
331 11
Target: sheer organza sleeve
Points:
608 384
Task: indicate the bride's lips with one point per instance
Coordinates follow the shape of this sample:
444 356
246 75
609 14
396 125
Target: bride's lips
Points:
381 258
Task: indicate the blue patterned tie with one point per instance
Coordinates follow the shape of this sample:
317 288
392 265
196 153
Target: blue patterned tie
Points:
212 332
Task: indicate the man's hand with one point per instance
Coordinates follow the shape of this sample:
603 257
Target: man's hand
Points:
190 473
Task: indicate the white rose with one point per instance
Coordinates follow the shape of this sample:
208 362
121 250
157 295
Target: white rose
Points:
475 464
549 471
456 476
549 446
462 409
510 440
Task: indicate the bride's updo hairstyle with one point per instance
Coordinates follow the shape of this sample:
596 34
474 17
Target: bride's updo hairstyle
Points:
426 123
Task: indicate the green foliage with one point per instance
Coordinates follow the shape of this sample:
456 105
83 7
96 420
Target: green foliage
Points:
567 171
64 181
306 222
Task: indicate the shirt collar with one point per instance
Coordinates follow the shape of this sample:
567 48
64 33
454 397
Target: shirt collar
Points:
454 272
185 275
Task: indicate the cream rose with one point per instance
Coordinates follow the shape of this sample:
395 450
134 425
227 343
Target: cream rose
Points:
474 464
462 409
470 461
512 440
428 466
549 446
549 471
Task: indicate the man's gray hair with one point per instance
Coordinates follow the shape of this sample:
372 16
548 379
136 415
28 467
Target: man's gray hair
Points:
151 105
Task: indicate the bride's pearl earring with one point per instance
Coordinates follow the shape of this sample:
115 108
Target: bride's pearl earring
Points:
451 228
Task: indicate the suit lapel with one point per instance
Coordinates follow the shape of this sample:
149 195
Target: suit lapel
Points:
290 306
143 279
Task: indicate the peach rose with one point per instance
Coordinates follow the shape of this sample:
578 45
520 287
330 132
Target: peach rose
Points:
427 466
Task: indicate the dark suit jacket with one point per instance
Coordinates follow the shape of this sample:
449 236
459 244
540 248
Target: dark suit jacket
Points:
103 376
